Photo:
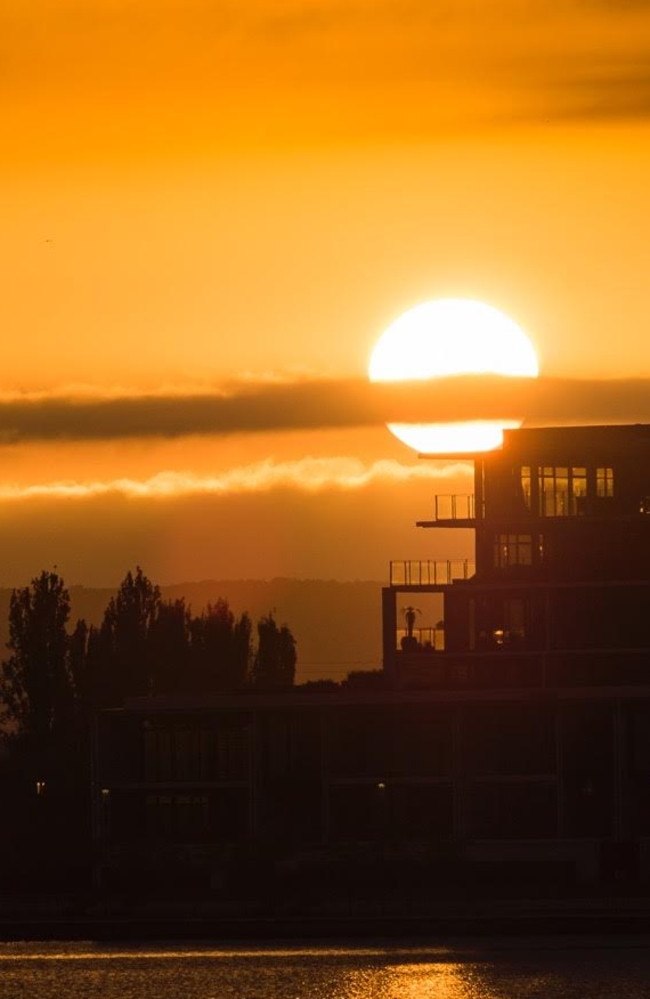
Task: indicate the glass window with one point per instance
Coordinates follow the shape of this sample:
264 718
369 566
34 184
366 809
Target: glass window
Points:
187 761
471 614
604 482
546 495
562 490
513 549
158 756
515 619
578 488
551 495
177 818
231 748
525 484
513 631
191 818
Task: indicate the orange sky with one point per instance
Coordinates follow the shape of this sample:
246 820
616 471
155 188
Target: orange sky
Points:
195 193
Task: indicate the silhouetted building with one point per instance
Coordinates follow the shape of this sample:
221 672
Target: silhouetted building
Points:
559 595
546 647
508 750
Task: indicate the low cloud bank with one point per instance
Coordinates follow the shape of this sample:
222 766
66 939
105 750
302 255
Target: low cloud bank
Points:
309 475
309 405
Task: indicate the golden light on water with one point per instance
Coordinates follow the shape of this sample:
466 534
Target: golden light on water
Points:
356 972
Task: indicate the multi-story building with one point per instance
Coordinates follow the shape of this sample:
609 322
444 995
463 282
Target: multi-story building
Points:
510 741
546 660
559 595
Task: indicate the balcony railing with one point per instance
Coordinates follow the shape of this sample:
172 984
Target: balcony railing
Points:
430 573
427 666
454 507
427 638
439 670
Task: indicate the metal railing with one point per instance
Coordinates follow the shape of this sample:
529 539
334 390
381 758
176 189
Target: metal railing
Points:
498 669
430 573
427 638
454 507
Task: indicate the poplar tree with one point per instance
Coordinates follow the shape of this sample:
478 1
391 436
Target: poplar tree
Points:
169 647
274 664
120 660
220 648
37 685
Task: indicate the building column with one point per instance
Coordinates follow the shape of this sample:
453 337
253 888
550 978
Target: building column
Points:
389 631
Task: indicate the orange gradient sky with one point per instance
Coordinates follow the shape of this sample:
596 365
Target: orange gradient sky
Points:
199 195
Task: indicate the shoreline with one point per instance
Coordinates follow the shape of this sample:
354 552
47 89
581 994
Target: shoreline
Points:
511 921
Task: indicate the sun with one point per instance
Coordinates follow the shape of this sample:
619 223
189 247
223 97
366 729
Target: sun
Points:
452 336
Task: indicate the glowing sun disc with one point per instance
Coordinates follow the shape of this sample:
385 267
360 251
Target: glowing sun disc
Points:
452 336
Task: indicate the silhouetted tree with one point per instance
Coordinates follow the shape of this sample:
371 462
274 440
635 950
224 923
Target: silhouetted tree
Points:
365 679
98 687
145 645
241 651
169 647
274 664
221 648
37 685
119 653
77 656
45 772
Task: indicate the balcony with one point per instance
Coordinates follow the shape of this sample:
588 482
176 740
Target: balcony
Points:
418 573
428 667
454 510
429 639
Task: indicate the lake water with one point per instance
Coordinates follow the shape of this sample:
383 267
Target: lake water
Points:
518 968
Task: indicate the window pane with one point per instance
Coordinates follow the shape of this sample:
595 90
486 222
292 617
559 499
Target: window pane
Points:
513 549
546 492
561 490
578 489
525 484
604 482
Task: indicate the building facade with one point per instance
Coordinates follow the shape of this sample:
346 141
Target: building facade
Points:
508 746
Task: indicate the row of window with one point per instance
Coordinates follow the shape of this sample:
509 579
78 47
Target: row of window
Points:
176 754
527 809
575 619
561 491
518 549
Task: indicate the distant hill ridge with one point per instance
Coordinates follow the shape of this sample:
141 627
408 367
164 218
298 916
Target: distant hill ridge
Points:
337 625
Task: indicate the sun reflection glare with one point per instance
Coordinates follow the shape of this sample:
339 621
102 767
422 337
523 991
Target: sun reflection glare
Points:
414 980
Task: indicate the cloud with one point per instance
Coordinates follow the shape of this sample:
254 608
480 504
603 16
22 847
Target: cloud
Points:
362 67
602 88
309 475
308 405
248 408
540 401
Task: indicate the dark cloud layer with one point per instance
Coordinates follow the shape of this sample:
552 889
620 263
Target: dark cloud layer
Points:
610 91
540 401
325 404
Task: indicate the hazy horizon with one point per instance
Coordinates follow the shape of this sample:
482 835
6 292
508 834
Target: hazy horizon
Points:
307 606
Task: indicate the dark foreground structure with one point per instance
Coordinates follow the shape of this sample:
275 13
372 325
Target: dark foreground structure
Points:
504 754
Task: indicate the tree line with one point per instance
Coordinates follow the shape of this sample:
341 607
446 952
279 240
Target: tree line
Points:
55 675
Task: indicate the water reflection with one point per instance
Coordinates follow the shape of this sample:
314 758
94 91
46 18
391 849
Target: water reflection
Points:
505 969
416 981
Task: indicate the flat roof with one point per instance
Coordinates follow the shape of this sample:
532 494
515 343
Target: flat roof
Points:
586 436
